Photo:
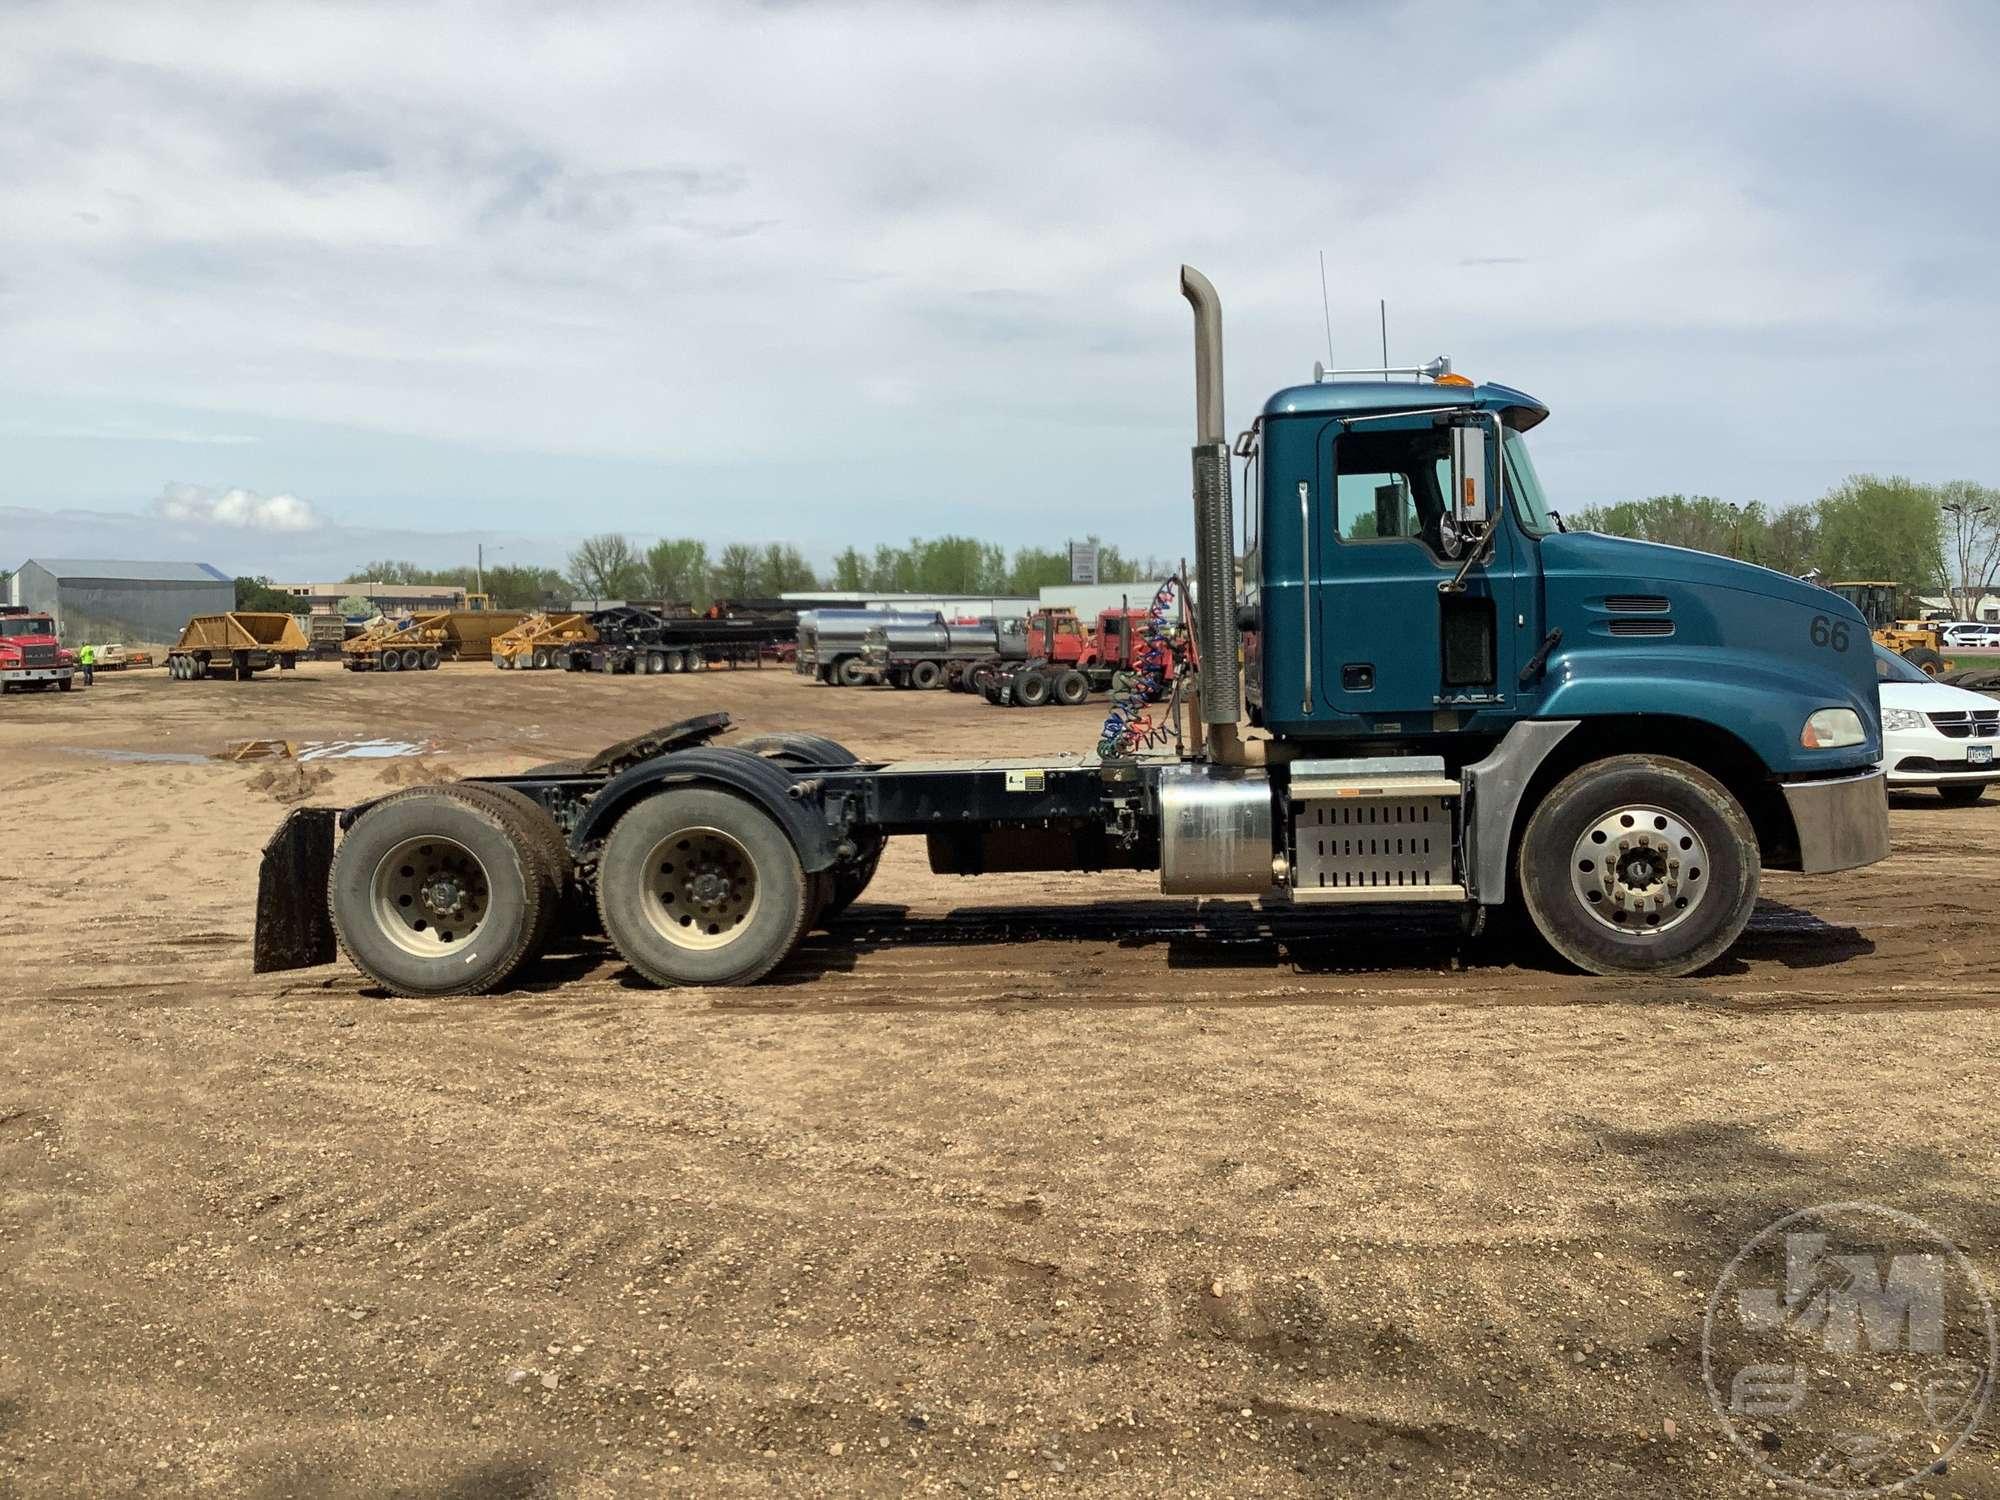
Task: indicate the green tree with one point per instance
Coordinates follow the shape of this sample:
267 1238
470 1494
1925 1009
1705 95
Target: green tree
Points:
1792 540
850 571
1971 516
388 571
525 586
257 595
606 566
782 568
1876 528
677 571
736 572
354 606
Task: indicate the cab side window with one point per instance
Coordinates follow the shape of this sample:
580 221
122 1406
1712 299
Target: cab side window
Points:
1390 486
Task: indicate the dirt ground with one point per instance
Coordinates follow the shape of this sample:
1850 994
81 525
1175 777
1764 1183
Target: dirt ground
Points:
1007 1186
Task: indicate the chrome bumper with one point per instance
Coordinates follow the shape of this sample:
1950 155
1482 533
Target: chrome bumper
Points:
1841 823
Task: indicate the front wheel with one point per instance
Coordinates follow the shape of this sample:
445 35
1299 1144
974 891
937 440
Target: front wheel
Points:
1639 865
1925 660
698 886
1962 794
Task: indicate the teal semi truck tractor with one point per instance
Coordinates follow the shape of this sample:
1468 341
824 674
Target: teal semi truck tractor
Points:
1426 691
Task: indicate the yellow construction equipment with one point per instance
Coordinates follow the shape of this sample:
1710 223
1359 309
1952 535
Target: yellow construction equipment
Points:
421 642
238 644
1918 641
536 642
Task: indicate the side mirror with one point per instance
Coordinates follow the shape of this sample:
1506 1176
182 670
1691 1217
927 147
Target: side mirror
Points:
1468 477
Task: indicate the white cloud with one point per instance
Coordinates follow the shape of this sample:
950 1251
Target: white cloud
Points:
241 508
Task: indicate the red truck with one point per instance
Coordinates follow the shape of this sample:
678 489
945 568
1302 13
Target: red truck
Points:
1067 663
30 658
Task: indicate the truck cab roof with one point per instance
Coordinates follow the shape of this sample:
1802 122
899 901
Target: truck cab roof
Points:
1352 397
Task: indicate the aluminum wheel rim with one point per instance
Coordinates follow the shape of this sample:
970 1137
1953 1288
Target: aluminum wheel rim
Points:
701 888
430 896
1639 870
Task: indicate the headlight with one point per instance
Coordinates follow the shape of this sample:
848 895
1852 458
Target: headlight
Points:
1831 728
1902 718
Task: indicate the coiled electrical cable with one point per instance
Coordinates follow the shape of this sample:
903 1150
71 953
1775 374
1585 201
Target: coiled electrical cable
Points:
1128 727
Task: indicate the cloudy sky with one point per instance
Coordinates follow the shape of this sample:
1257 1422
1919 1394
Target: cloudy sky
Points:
280 281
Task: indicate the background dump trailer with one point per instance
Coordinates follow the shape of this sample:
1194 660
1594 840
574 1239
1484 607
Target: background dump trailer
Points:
634 639
422 642
326 634
537 643
939 653
1480 711
237 644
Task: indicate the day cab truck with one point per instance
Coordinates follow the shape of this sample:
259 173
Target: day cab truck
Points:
1443 698
32 660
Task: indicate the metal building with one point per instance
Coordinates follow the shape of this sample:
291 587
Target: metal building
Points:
99 601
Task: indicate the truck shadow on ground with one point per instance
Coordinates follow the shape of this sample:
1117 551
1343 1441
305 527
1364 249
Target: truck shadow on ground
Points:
1237 935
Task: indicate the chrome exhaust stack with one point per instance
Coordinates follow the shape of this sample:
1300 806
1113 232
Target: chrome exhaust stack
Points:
1214 522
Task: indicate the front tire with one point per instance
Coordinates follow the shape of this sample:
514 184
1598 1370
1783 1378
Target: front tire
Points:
699 887
1639 864
1925 660
1962 794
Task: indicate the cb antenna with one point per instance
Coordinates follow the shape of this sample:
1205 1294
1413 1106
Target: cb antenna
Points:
1383 304
1326 308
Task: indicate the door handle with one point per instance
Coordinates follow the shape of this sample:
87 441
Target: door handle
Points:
1305 589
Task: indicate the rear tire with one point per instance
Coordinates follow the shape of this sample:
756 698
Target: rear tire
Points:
1924 660
1072 688
1646 876
433 856
541 660
429 660
392 661
925 675
851 673
800 753
699 887
1031 689
1962 794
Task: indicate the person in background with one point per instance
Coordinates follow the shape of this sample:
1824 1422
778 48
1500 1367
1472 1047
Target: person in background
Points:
86 657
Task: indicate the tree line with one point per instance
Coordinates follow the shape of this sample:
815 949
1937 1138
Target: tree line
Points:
1941 539
611 565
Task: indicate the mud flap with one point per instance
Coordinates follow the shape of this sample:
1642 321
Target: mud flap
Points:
294 928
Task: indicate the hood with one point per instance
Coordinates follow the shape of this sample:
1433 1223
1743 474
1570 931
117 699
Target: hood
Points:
1611 554
1935 698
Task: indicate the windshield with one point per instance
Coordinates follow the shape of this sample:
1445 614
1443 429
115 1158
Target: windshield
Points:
1889 667
1531 506
28 625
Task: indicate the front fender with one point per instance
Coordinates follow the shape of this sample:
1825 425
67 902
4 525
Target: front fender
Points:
750 776
1761 703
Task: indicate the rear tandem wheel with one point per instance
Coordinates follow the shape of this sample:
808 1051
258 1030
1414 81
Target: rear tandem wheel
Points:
444 890
699 887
